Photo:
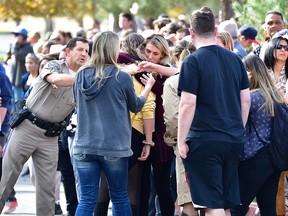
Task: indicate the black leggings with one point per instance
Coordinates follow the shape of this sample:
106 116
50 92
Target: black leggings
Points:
161 174
258 178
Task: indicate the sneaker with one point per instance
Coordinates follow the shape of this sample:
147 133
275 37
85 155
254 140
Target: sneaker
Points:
58 210
25 172
10 206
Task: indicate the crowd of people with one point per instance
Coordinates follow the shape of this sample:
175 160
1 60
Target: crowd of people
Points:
152 118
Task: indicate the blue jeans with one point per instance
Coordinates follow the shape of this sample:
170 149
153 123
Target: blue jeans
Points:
17 95
89 168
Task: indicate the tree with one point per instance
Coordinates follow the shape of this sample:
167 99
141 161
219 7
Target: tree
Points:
246 11
13 10
47 9
226 9
253 12
76 9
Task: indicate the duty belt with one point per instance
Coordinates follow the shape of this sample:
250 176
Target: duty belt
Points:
52 129
39 122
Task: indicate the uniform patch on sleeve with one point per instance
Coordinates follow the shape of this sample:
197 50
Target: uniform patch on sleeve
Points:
54 66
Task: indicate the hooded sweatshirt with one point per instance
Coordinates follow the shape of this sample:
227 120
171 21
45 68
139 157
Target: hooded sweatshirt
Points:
103 118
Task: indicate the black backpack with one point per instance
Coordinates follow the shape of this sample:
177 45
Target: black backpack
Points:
279 136
279 139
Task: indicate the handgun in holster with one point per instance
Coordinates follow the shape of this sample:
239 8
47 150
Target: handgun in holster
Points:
18 117
55 129
20 104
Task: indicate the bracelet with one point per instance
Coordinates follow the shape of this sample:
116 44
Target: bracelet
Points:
146 143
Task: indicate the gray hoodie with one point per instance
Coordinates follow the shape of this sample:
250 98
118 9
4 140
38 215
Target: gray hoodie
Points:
103 112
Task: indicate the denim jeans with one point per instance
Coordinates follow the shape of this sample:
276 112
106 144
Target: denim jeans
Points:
17 95
89 168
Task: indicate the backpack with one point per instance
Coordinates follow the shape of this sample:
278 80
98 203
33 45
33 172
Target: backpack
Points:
279 136
279 139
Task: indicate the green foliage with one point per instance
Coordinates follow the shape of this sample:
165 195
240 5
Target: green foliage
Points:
253 12
78 8
9 9
153 8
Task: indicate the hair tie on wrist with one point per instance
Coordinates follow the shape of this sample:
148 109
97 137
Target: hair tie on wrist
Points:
146 143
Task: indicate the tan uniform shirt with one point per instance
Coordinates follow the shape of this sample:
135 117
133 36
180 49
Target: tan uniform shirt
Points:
50 103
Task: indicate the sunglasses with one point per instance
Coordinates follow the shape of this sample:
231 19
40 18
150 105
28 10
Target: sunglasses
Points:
280 46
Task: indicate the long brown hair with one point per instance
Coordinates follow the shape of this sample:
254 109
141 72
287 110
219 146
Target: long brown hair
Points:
260 79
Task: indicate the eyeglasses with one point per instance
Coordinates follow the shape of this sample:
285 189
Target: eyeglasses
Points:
280 46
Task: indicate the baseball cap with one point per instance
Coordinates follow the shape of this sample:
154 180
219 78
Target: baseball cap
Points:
229 26
20 30
249 32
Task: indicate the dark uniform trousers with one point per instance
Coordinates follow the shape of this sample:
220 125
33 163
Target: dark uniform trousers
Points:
66 168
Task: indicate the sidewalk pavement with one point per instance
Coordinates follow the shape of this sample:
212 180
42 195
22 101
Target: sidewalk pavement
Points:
26 198
25 195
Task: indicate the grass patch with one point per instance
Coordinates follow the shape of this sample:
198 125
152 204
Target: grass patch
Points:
2 56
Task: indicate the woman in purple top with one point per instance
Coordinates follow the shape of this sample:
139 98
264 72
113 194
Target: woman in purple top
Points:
257 175
155 50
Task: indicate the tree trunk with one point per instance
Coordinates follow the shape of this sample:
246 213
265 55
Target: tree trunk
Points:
49 24
80 22
18 21
227 9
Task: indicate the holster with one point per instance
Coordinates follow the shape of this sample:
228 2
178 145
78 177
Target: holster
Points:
19 104
55 129
18 117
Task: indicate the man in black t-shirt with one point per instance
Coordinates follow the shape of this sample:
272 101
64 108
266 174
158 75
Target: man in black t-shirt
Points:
214 107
